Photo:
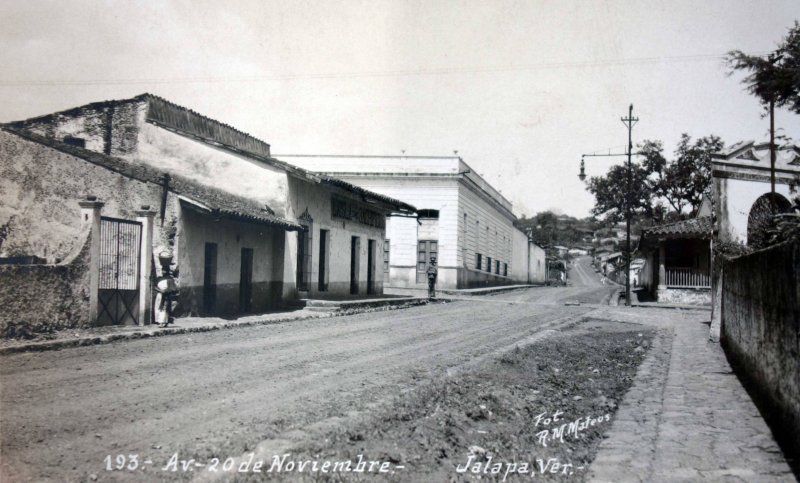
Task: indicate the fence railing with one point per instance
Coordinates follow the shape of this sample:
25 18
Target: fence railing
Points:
687 277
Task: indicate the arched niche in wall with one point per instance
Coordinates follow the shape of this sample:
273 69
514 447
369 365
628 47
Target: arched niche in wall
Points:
760 217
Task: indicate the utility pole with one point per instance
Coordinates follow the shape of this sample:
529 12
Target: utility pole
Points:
628 121
772 144
773 58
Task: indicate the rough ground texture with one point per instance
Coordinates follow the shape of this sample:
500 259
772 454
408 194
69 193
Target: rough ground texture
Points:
290 385
225 391
498 416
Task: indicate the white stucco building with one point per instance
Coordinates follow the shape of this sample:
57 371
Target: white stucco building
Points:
248 233
742 188
463 221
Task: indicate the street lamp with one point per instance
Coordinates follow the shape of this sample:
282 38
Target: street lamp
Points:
629 122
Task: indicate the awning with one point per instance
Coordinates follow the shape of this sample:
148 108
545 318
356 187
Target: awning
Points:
236 213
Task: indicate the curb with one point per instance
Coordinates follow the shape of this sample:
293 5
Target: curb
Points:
673 307
486 291
160 332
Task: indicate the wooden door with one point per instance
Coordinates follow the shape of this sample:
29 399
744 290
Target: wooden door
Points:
425 250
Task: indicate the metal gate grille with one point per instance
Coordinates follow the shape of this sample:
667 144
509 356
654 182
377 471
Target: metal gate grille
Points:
120 245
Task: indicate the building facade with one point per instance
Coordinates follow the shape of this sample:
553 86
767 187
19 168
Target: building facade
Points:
465 223
247 233
677 266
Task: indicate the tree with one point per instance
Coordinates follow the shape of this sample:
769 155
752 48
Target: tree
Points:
775 78
549 229
611 190
661 189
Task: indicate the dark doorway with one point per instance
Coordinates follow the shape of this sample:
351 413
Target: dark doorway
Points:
303 258
370 266
386 252
246 281
323 260
210 279
355 250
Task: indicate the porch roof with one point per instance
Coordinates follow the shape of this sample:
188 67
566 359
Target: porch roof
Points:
221 205
696 228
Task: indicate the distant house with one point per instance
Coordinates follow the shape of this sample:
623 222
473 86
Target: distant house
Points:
561 250
577 252
609 263
678 261
636 269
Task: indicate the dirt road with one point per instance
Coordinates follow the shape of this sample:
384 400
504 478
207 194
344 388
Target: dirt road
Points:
63 412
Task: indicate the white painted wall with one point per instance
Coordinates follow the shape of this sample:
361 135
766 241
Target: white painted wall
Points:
737 199
488 231
537 265
518 270
212 166
304 195
424 193
445 184
375 164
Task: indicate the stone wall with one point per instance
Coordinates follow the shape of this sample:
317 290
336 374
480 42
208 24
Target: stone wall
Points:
105 127
761 333
40 190
44 298
688 296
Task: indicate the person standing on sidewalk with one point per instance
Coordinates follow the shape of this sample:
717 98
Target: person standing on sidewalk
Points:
432 273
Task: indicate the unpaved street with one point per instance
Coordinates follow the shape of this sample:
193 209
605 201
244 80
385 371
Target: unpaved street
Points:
63 412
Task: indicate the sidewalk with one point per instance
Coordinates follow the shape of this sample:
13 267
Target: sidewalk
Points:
423 292
103 335
687 416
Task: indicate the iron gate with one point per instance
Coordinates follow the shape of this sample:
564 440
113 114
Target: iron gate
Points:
120 246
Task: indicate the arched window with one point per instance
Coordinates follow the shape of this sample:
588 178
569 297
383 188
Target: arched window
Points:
760 217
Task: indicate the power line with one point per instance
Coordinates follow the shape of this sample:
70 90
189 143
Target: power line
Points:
366 74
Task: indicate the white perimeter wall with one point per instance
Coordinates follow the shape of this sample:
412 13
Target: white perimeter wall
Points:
518 269
211 166
537 266
736 199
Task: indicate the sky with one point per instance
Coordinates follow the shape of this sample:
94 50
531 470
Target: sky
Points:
520 89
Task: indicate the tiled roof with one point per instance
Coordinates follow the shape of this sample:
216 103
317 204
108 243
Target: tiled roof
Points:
366 194
165 113
171 116
699 227
222 204
216 201
194 125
